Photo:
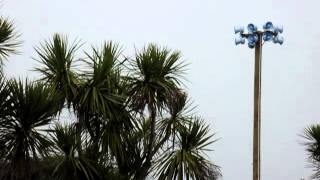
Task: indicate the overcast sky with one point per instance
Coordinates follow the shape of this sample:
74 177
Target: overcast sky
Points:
220 74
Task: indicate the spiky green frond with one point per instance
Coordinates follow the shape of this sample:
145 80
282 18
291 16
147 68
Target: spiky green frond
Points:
31 105
100 94
57 58
312 144
68 162
187 160
312 135
156 72
8 39
179 115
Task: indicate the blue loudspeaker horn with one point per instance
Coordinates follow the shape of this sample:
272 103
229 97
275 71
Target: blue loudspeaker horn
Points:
267 36
252 28
252 38
278 39
238 29
268 26
239 40
251 45
278 29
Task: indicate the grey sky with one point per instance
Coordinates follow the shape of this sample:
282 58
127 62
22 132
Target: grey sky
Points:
220 74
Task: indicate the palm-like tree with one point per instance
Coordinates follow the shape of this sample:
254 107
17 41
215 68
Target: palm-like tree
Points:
157 73
29 106
312 135
68 162
57 58
179 108
100 103
4 109
8 39
100 92
187 160
124 122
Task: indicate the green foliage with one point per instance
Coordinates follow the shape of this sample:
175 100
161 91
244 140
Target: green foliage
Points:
133 118
186 160
156 72
100 92
8 39
69 163
57 62
29 106
312 144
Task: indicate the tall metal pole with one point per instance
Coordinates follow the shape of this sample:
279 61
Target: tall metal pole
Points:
255 38
257 110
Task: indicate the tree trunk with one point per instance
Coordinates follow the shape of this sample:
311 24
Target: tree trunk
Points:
143 172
